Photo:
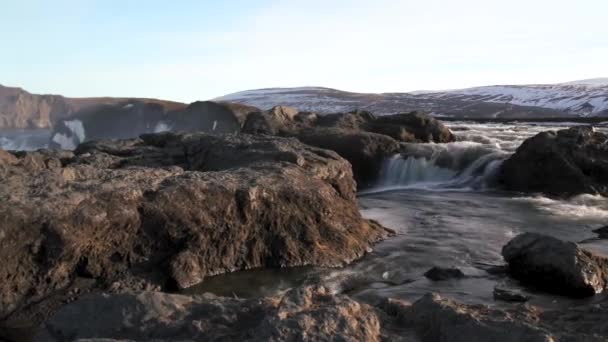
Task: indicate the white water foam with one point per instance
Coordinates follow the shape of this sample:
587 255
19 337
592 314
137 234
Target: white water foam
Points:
458 165
72 136
64 141
162 127
582 206
77 129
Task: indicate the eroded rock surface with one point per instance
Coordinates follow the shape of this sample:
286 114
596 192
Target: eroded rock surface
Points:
167 210
441 319
303 314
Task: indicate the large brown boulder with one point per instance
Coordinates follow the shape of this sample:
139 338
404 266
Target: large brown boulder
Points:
302 314
411 127
364 150
167 210
557 266
563 163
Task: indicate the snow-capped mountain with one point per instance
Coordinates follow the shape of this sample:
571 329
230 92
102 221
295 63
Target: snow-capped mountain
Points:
578 98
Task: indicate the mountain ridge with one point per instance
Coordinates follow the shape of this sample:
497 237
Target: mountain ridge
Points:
22 109
571 99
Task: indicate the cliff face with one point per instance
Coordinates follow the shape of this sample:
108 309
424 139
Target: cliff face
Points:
21 109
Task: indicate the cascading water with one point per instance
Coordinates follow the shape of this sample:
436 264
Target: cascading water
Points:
458 165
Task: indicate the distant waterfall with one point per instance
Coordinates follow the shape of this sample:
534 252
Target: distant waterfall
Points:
72 134
456 165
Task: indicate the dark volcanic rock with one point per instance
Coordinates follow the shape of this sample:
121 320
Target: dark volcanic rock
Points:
411 127
555 265
439 319
601 232
562 163
365 151
312 313
279 120
303 314
167 210
209 116
441 273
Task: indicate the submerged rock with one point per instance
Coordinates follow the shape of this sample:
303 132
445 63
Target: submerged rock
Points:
168 210
556 266
442 273
303 314
563 163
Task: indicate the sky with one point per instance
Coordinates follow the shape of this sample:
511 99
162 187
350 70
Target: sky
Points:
197 50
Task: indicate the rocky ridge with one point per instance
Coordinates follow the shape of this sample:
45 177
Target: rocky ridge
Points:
167 210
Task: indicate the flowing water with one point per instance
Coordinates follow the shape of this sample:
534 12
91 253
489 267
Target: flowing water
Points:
24 139
442 201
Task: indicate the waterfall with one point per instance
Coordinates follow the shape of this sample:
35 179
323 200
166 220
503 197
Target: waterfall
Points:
458 165
72 134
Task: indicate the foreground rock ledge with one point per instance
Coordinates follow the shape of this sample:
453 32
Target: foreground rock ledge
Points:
166 210
312 313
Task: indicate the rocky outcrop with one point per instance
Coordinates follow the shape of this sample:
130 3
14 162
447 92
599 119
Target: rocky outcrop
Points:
365 151
312 313
303 314
280 120
411 127
557 266
209 116
362 138
563 163
167 210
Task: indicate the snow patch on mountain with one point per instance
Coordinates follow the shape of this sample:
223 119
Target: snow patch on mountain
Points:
575 97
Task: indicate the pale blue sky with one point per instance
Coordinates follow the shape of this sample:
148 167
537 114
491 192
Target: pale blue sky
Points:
190 50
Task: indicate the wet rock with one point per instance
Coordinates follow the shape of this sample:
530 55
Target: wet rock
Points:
602 232
365 151
440 319
509 295
167 210
563 163
556 266
303 314
442 273
411 127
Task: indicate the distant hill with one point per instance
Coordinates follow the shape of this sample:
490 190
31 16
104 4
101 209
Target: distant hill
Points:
573 99
585 98
21 109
